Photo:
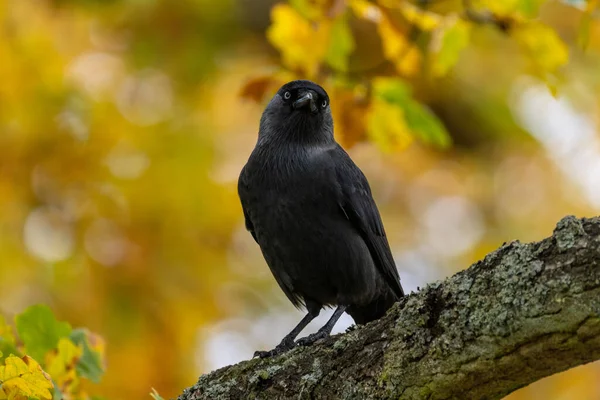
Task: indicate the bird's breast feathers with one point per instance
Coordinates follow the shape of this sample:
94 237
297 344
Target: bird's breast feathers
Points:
296 166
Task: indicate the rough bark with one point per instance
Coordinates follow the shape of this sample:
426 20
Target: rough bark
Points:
524 312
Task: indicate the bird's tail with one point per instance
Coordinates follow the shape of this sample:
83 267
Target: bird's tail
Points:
373 310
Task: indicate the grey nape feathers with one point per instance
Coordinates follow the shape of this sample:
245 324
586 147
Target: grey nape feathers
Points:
310 209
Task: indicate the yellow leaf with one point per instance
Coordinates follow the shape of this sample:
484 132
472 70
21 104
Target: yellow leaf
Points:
424 20
316 9
24 378
398 49
387 127
511 8
303 45
97 342
365 10
61 363
504 7
447 43
542 43
349 110
585 26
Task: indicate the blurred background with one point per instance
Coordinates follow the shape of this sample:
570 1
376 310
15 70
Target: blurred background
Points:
124 125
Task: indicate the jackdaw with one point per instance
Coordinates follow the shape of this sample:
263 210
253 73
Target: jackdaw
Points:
310 209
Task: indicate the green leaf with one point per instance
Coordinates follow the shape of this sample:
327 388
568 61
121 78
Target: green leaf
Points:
529 8
7 340
57 394
391 90
387 127
422 123
40 330
447 43
416 16
90 363
341 44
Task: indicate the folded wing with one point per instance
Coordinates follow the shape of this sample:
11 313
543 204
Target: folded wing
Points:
359 207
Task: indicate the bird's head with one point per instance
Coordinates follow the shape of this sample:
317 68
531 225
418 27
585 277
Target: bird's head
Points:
299 111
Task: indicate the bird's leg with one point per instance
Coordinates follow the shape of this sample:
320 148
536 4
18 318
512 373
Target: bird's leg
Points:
287 342
325 330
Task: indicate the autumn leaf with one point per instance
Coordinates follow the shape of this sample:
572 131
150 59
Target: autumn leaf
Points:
316 9
259 86
366 10
349 109
256 88
61 363
77 354
40 330
387 127
91 363
529 8
398 49
512 8
292 35
416 119
341 44
542 43
447 42
583 33
23 378
423 19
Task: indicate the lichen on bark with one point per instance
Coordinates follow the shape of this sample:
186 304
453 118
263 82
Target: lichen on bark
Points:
524 312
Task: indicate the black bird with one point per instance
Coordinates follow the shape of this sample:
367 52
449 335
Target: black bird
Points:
310 209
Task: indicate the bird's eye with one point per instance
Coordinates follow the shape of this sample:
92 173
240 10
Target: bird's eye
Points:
287 95
324 103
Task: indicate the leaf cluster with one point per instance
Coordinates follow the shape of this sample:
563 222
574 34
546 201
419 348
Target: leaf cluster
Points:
46 358
325 40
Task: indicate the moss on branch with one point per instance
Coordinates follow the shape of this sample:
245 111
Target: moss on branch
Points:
524 312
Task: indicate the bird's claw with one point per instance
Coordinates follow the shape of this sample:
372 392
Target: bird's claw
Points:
310 339
264 354
288 345
281 348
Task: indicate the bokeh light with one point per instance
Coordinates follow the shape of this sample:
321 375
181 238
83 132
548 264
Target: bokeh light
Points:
123 131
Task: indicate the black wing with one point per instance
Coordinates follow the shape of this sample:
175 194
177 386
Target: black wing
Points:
242 195
249 225
359 207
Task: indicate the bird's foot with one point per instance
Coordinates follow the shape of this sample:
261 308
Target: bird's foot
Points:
313 337
281 348
351 328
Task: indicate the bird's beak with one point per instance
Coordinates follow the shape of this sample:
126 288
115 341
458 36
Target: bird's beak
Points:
307 100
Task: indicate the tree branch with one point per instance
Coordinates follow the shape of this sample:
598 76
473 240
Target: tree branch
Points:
524 312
